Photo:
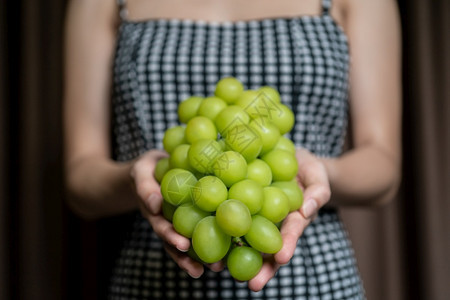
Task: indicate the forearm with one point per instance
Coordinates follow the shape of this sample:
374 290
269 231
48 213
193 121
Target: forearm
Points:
363 176
100 187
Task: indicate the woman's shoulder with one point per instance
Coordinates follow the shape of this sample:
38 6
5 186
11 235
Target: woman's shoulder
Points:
94 11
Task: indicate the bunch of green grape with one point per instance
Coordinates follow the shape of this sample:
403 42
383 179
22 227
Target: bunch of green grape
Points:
230 178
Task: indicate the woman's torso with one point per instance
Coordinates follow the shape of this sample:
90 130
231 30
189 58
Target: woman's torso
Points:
161 62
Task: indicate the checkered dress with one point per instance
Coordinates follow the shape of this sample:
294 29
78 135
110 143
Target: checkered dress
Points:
161 62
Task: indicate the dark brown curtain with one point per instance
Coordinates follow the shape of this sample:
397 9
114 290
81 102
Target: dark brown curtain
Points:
47 253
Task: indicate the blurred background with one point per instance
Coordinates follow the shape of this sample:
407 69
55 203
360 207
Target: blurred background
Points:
48 253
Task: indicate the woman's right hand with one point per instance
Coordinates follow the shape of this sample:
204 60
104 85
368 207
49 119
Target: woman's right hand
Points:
150 205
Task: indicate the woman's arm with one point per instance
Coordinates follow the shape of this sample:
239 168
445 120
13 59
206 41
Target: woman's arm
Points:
369 173
97 185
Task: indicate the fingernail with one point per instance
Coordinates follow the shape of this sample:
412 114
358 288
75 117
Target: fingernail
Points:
195 277
309 208
182 250
152 203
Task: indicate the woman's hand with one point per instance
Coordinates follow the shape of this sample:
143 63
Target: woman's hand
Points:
150 204
312 178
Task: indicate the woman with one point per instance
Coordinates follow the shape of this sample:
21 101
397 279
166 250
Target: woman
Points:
160 52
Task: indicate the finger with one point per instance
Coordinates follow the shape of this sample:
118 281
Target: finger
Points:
291 230
268 270
164 229
153 203
143 176
316 196
216 267
192 267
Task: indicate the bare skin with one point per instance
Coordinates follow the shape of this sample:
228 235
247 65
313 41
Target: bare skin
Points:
366 175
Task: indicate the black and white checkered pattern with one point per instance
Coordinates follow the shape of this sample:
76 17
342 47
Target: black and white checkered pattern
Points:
159 63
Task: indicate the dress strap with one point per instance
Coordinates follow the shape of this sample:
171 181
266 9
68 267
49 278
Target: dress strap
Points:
123 11
326 5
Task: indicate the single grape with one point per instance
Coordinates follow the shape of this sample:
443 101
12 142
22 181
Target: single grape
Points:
230 117
229 89
245 140
284 119
283 164
259 171
223 145
271 93
268 132
285 144
209 193
264 236
186 217
211 107
292 191
230 167
179 158
188 108
161 168
202 155
275 204
244 263
247 98
248 192
262 106
234 217
174 137
177 186
200 128
168 210
209 242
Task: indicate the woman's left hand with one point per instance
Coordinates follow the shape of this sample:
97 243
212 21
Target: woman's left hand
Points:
313 179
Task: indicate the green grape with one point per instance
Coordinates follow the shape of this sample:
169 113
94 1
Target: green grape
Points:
203 153
283 164
268 132
262 106
230 117
285 144
234 217
222 144
259 171
230 167
229 89
188 108
168 210
284 119
193 255
292 191
271 93
244 263
264 236
177 185
161 168
211 107
245 140
275 205
179 158
200 128
209 193
186 218
174 137
247 98
210 243
248 192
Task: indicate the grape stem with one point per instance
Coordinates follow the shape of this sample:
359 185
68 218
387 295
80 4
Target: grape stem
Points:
239 241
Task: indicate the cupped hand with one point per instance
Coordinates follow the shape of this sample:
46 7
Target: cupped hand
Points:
312 178
150 204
